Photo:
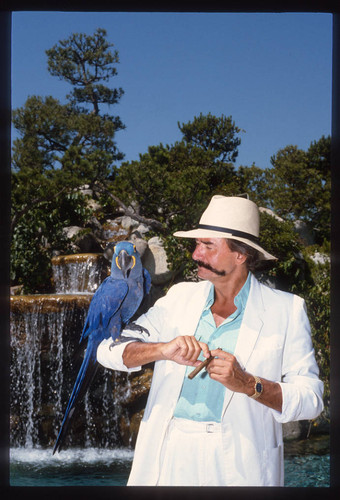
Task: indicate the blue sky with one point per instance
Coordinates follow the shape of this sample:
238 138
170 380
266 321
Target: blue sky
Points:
272 72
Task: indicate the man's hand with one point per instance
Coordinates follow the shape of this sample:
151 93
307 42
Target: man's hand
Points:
226 369
184 350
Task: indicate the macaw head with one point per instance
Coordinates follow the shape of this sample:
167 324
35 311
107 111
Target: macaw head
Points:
126 261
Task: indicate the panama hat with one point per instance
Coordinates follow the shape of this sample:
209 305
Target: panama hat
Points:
230 217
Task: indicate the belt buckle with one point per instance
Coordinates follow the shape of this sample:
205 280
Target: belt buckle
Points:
209 428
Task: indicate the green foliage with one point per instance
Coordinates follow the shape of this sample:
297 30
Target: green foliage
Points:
254 181
68 143
174 183
170 184
300 186
61 147
318 307
215 134
179 251
85 61
279 238
38 233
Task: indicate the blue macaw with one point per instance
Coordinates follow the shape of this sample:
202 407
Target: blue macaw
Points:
111 309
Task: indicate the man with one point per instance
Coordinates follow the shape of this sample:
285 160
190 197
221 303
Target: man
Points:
224 426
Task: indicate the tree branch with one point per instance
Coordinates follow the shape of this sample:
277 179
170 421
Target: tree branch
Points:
154 224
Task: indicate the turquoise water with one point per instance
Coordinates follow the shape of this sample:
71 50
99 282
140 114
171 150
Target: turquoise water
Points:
74 467
307 464
309 470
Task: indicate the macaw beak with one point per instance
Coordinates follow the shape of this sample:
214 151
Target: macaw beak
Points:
125 262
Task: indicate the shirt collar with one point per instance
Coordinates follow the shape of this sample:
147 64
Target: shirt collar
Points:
240 299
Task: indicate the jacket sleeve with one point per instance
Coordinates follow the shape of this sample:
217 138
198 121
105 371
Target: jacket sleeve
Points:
302 390
110 354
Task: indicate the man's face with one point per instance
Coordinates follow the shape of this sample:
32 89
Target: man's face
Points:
214 258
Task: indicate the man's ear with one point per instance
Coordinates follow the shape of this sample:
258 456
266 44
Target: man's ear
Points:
240 258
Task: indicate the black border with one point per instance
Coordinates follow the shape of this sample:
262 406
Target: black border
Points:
8 6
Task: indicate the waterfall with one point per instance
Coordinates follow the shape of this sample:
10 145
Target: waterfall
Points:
45 332
78 273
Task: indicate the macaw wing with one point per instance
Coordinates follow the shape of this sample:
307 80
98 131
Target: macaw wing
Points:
104 305
147 281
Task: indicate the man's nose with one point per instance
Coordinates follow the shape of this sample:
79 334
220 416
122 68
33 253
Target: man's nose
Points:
197 253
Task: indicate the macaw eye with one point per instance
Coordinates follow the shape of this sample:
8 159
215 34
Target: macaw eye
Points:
134 248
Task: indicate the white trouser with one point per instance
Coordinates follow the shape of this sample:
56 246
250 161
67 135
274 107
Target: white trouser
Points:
192 454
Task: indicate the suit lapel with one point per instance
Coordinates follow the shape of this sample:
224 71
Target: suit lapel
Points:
194 309
250 330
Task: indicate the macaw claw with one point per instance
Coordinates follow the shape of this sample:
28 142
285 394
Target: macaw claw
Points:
137 328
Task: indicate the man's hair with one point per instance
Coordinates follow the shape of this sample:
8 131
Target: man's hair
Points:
253 256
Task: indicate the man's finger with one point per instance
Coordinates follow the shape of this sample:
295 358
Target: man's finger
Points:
221 354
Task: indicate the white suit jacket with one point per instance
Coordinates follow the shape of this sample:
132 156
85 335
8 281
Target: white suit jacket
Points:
274 343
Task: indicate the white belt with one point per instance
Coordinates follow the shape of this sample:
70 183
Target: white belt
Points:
187 425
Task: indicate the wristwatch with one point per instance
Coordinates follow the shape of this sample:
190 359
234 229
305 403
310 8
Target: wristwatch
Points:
258 387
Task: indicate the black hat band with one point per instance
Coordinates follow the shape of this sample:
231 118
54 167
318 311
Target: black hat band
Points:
233 232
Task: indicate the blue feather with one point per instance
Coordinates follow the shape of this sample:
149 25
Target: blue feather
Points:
111 308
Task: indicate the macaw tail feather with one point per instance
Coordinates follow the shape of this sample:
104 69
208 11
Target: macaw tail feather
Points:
79 354
85 376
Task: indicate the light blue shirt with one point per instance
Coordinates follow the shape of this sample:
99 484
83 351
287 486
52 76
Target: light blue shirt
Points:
202 398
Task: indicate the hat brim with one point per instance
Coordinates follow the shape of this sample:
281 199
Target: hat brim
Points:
208 233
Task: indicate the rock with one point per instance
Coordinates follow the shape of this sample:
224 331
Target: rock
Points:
47 304
88 243
304 232
83 240
129 223
134 403
72 231
302 429
129 428
141 245
108 252
300 227
142 229
270 212
139 387
320 258
17 290
112 230
85 190
292 430
93 205
96 226
155 261
91 202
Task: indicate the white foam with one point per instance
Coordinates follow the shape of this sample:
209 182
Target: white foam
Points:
45 457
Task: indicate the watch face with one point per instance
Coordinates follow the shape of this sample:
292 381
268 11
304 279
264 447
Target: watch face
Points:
258 387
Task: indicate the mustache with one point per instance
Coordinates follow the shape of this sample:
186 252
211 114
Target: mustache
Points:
207 266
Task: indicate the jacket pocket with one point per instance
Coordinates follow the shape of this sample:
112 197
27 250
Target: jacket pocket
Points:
266 361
